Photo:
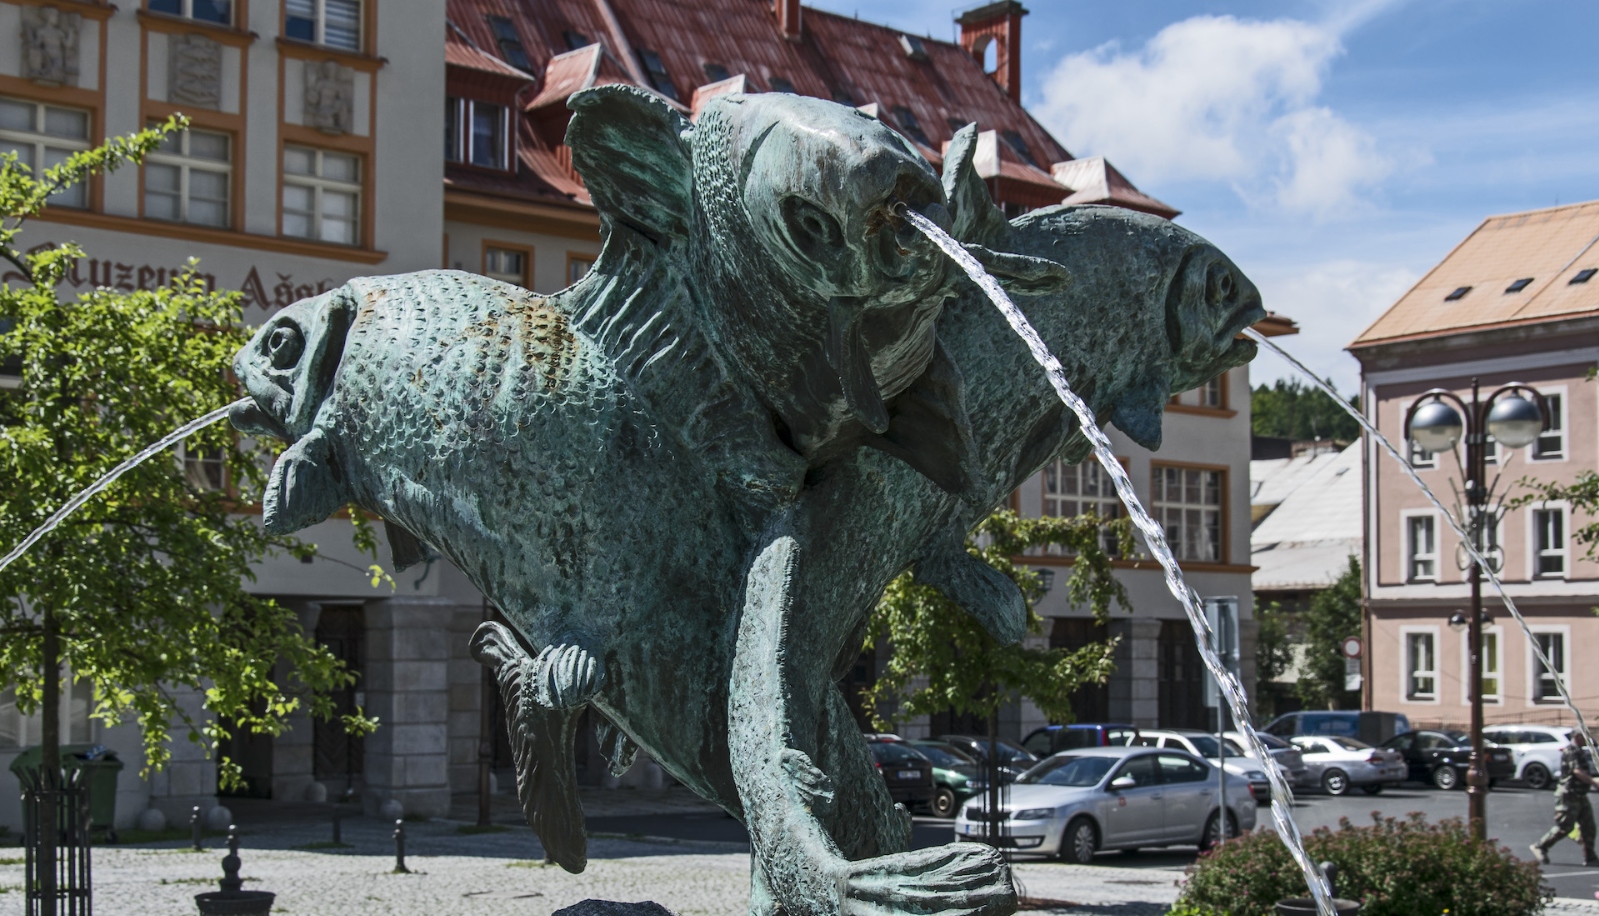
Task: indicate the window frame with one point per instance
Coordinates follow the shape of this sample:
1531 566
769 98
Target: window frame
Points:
320 24
234 13
574 256
185 162
1408 673
1045 496
1497 632
1412 450
1223 505
1535 696
1561 416
461 111
1410 554
318 184
40 141
1535 554
526 251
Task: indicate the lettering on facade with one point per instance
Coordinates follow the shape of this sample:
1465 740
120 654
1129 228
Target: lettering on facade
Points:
194 71
50 45
329 96
93 273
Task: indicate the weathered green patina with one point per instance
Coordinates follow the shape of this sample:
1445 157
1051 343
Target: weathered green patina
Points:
659 473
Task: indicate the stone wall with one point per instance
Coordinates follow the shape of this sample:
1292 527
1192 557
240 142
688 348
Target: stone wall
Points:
408 691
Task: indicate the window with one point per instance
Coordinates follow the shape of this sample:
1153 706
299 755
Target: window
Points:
575 40
1459 293
1491 667
1551 443
1421 666
956 125
1549 542
1212 393
475 132
1544 686
321 195
909 126
217 11
1519 285
1071 490
1583 276
1421 548
43 136
505 264
335 23
1019 146
577 267
781 84
1174 769
203 469
913 46
656 71
186 179
1188 504
716 73
510 42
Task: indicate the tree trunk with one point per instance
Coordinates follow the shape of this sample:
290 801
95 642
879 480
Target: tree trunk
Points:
50 765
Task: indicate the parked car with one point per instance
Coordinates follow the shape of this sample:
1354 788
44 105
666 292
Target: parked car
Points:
1094 798
956 776
906 771
1290 762
1441 757
1368 726
1052 739
1013 760
1204 744
1337 763
1534 749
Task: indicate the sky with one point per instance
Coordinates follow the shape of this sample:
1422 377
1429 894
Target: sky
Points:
1336 151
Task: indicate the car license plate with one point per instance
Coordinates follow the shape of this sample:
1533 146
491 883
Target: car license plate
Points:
910 774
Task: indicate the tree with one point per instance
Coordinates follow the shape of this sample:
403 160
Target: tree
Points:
143 589
1289 409
1274 652
1334 615
1582 495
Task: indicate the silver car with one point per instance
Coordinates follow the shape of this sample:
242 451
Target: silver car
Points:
1337 763
1081 801
1204 744
1289 760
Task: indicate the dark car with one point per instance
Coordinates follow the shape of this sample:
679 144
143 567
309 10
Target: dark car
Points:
1052 739
906 771
1441 757
1013 760
956 776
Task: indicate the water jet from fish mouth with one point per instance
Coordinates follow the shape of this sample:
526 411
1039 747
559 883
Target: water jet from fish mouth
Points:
1154 538
1460 531
87 493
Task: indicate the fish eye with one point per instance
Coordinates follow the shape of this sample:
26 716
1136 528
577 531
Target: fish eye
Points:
1221 283
284 346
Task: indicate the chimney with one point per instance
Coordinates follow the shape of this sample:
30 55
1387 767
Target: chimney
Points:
788 18
999 23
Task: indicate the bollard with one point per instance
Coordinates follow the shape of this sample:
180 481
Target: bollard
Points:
399 848
195 826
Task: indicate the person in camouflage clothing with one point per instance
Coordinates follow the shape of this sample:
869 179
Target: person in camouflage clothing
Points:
1571 802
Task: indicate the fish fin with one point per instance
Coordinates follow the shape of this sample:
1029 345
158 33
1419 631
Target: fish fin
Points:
1140 410
1022 274
302 489
976 217
616 747
566 677
405 549
543 742
813 785
848 355
982 591
629 147
930 430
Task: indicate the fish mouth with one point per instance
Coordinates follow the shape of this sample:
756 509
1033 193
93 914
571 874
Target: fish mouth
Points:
250 418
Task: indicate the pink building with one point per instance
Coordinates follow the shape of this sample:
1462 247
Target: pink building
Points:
1516 301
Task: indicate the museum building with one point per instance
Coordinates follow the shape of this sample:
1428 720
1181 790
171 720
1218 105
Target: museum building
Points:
319 131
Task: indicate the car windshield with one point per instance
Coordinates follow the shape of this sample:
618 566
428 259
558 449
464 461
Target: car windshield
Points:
1008 753
943 755
1206 746
1460 739
1077 772
1272 742
894 754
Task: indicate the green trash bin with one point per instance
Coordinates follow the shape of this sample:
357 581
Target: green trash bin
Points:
100 765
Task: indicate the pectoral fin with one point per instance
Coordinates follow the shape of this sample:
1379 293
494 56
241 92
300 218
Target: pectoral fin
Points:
1022 274
405 550
981 590
542 744
617 748
1141 410
303 488
929 428
848 355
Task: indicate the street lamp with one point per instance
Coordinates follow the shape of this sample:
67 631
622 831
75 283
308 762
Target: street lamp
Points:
1513 415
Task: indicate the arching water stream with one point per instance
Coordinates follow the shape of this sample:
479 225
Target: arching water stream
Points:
89 492
1465 537
1154 538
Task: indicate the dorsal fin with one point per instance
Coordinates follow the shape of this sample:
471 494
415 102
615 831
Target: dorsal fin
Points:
629 147
977 220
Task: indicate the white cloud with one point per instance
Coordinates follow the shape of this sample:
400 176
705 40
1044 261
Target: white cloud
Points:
1217 98
1333 301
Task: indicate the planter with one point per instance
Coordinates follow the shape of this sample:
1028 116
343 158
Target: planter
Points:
235 903
1306 906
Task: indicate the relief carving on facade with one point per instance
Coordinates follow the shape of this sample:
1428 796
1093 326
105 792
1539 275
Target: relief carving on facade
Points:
194 71
50 45
329 96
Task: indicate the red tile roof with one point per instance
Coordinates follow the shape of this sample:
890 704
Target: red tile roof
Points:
700 42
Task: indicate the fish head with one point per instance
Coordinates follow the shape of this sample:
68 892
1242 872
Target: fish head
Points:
289 368
1208 305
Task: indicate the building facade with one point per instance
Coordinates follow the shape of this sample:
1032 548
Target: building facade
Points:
1512 303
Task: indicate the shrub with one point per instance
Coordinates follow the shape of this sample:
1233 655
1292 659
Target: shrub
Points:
1394 867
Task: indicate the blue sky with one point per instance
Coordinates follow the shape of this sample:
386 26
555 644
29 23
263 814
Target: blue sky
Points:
1335 150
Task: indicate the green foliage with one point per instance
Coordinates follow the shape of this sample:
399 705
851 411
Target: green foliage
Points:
146 581
1273 650
943 659
1582 494
1394 867
1333 616
1289 409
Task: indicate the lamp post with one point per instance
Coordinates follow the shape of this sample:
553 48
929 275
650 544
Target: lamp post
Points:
1433 423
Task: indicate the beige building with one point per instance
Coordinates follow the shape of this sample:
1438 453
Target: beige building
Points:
1514 302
